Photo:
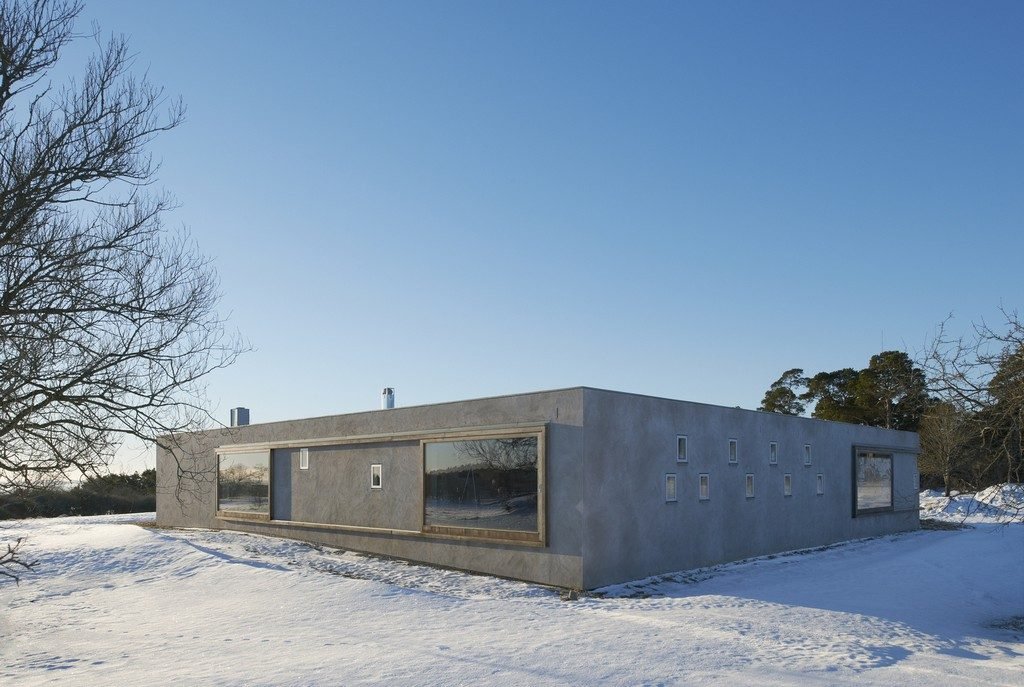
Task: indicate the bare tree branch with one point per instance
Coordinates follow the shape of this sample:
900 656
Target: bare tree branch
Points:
108 321
981 376
12 560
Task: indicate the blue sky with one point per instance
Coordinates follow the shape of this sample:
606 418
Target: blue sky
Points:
463 199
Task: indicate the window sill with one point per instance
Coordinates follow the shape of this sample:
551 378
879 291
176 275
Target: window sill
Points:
456 533
241 515
503 536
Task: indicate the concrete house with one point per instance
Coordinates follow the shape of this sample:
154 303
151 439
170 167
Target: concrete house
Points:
574 487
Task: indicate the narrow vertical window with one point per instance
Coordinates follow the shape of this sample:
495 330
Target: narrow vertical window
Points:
773 453
787 485
750 486
303 458
733 451
681 448
807 454
704 493
670 488
821 484
375 477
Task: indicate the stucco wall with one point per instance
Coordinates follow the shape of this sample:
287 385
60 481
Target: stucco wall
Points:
607 455
335 489
630 445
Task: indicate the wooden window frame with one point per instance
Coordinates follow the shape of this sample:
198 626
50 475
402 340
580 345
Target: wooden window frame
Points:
239 514
473 533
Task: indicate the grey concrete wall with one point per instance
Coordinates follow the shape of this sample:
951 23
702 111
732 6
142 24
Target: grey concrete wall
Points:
630 445
335 490
607 457
186 478
336 487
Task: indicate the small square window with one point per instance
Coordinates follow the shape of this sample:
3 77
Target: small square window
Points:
375 477
303 458
704 492
681 448
773 453
787 485
733 451
750 486
807 454
821 484
670 488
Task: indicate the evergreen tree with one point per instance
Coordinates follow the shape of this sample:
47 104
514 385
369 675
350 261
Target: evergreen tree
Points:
891 392
782 396
835 396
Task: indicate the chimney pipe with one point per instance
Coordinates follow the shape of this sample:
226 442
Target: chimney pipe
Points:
239 417
387 398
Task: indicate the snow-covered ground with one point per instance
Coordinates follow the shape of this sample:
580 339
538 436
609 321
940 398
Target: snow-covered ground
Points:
113 603
998 504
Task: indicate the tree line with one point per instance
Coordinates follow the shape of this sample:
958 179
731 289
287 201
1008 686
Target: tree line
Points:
95 495
964 395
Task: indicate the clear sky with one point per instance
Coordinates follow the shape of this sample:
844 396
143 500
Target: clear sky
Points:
464 199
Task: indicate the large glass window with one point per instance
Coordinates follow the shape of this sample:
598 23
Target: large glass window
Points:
243 484
482 484
874 481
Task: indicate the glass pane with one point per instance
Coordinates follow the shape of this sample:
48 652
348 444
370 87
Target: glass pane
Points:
874 481
244 482
483 483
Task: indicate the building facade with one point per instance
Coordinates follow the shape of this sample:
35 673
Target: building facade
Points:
575 487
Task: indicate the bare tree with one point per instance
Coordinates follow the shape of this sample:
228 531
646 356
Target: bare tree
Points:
108 321
946 442
983 374
501 454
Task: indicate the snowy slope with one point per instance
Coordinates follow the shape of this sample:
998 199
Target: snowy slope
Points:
115 603
998 504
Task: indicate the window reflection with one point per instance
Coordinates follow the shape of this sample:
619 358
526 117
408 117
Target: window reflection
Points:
874 481
483 483
244 482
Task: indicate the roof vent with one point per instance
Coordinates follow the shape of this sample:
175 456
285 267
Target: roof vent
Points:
387 398
239 417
